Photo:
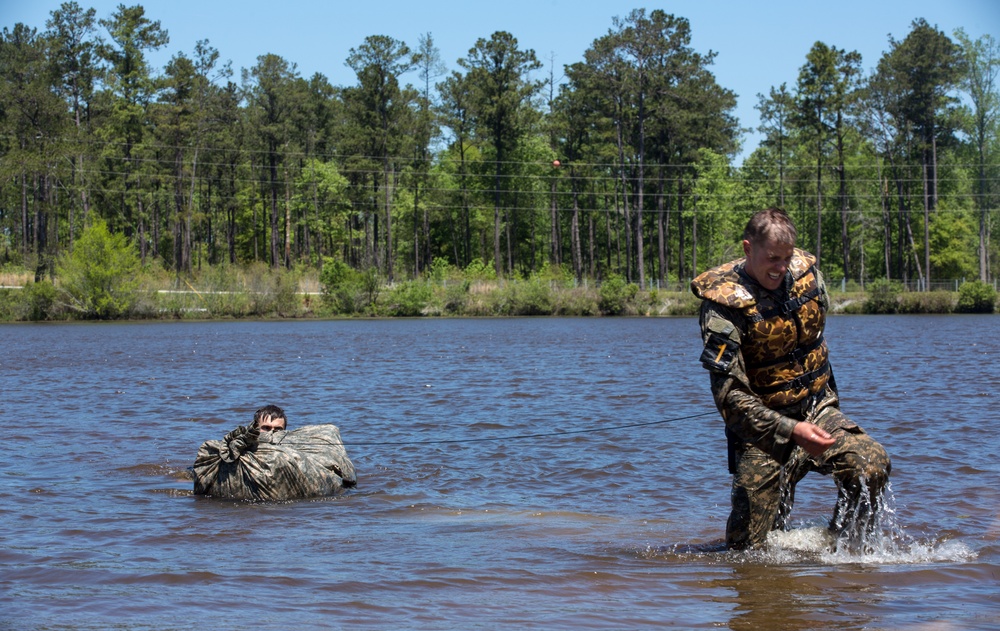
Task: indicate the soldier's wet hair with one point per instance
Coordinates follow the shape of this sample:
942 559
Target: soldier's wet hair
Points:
272 411
770 224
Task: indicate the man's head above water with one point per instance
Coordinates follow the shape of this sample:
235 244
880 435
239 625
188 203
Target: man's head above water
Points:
769 243
270 418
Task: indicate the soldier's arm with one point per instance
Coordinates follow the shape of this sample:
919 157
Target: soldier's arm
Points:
745 415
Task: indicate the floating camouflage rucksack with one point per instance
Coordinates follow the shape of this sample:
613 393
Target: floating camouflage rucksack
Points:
282 465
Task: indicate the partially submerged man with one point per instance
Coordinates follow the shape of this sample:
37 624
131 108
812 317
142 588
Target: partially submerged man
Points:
762 320
270 418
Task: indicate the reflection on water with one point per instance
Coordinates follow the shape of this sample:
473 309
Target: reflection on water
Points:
486 495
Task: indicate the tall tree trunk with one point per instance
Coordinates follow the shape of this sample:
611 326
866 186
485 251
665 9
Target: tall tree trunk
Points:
388 181
496 222
274 234
927 226
661 237
680 229
287 258
845 242
984 241
575 231
819 204
624 199
24 214
556 250
591 241
886 225
694 242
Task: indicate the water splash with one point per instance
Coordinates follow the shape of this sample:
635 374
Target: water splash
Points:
869 537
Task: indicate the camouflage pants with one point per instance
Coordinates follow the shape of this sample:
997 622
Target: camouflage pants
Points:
764 490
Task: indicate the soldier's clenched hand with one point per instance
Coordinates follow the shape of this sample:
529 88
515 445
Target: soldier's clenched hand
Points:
813 438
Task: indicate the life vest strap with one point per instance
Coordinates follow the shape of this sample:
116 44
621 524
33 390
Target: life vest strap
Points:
789 306
795 355
802 381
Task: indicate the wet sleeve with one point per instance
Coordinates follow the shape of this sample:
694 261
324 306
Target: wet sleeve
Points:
745 414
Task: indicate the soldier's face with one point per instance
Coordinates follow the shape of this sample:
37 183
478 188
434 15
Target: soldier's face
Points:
768 261
271 423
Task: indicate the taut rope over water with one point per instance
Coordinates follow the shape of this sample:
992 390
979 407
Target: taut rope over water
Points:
526 436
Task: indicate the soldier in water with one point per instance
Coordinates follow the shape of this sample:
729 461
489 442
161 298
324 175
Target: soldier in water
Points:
270 418
762 320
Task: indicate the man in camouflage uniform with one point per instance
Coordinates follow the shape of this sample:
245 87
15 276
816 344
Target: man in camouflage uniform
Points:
762 320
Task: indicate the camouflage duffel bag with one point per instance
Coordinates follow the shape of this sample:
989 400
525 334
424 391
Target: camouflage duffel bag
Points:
282 465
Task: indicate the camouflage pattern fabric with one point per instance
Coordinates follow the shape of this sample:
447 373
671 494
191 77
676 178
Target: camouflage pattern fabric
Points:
282 465
765 463
784 351
763 490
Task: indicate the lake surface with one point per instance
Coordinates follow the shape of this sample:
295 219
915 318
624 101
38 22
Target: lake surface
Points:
519 473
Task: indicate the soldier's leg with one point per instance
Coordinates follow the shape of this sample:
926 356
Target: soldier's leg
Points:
861 467
756 495
798 465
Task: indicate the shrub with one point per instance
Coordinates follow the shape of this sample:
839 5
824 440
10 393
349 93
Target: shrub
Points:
478 270
456 296
225 292
616 294
883 296
577 301
522 298
34 301
406 299
441 269
976 297
100 276
270 291
927 302
681 304
38 300
347 290
338 282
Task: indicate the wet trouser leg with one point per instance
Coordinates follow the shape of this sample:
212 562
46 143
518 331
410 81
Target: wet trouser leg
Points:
758 489
861 467
763 491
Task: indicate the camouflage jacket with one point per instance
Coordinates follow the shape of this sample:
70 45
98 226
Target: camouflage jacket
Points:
749 420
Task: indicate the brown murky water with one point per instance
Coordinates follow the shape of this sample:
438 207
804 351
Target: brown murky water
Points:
519 515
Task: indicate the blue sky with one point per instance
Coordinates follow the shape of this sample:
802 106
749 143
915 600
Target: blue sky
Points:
758 44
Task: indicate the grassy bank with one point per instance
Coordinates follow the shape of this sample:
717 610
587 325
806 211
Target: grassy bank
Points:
258 291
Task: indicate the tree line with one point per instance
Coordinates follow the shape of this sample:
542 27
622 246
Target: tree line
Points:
623 167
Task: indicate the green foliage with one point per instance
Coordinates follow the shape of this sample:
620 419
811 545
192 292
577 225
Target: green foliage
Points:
349 291
927 302
478 270
976 297
440 269
576 301
35 301
39 300
525 298
99 278
616 294
207 169
953 243
225 292
406 299
339 283
883 297
456 296
270 291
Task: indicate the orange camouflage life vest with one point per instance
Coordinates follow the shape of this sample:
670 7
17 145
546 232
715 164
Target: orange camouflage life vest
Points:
783 347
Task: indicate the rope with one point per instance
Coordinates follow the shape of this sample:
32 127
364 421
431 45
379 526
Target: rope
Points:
524 436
